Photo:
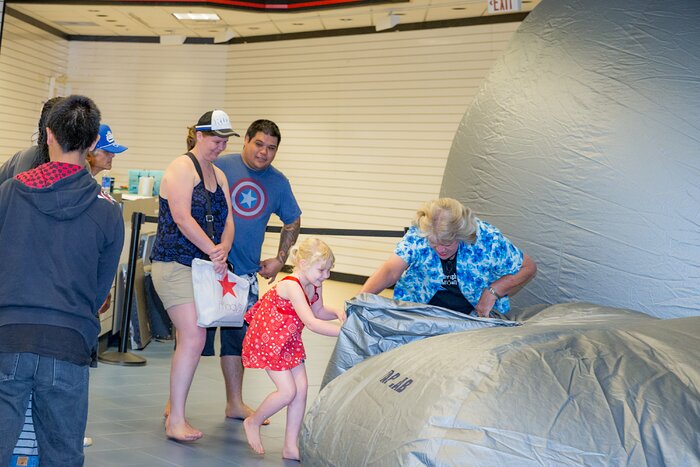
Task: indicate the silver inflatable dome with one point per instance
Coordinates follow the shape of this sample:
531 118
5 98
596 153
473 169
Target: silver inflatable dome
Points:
583 147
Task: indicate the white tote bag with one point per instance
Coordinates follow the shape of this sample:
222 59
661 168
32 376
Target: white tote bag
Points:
220 301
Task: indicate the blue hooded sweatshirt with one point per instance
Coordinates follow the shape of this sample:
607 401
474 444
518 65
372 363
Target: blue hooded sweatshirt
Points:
59 250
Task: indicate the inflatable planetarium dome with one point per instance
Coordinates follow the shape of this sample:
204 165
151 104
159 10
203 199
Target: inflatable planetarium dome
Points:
583 147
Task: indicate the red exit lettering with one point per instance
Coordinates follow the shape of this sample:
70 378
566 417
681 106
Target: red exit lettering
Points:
501 5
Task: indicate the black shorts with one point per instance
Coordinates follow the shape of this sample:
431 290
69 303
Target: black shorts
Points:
231 341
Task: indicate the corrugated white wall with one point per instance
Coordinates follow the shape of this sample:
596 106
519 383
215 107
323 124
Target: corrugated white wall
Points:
29 59
367 121
149 94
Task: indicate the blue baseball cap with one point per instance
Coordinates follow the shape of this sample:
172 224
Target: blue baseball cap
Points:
106 141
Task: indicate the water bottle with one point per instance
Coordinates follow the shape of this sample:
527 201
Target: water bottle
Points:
106 183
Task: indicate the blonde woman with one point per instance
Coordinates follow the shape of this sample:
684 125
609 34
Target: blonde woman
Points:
452 259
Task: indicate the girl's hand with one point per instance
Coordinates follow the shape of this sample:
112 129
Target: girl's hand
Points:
341 315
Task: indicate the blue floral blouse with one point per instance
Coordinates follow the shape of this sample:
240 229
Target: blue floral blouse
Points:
489 258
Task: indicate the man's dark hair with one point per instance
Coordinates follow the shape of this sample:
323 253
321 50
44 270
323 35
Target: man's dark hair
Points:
43 147
266 126
75 123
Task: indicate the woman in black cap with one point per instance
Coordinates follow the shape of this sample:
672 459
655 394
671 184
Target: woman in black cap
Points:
184 234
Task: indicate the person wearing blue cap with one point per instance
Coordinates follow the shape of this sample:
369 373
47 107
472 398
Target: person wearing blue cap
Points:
97 160
100 158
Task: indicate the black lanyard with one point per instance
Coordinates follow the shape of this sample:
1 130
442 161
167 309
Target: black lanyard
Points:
209 218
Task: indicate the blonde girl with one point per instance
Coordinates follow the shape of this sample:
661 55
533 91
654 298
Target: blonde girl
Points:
273 340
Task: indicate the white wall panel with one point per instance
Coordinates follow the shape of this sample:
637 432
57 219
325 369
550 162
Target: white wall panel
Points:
367 122
29 59
149 94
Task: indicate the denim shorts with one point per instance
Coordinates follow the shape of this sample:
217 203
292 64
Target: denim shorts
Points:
232 338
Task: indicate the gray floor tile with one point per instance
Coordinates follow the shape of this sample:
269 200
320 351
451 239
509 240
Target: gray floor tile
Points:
126 406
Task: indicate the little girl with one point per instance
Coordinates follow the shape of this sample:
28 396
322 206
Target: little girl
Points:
273 340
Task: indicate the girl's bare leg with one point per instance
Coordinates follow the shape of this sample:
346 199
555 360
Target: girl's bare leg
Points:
295 414
273 403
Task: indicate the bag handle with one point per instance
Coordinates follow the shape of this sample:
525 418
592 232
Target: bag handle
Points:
209 217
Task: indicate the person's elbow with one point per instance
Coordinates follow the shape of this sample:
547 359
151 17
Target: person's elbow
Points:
180 217
366 288
293 226
315 325
380 280
529 268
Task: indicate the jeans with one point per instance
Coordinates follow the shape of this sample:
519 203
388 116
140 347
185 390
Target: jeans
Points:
59 407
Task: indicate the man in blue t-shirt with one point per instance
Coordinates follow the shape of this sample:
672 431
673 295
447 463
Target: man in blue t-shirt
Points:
257 191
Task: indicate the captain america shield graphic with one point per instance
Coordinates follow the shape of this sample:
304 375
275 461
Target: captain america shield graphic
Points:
249 198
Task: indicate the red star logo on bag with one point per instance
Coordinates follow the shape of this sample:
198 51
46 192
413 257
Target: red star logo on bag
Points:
227 286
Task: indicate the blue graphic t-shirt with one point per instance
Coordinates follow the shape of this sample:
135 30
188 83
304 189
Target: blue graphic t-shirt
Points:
489 258
255 196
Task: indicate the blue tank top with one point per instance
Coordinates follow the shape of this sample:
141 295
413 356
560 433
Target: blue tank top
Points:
170 244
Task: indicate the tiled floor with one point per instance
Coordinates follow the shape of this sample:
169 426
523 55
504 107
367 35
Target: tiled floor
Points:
126 405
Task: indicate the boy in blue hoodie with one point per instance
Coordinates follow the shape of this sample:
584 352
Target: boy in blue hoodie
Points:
60 242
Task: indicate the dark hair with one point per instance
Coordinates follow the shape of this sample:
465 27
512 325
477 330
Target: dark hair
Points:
266 126
75 123
43 148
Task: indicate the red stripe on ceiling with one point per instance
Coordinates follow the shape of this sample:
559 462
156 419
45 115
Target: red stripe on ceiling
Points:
253 4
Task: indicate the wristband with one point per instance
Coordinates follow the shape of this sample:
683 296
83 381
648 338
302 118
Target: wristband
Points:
493 292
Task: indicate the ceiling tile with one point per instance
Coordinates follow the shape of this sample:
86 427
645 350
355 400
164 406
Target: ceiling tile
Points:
414 15
453 11
289 24
155 20
348 20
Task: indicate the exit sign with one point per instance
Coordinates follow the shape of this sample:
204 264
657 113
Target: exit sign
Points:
503 6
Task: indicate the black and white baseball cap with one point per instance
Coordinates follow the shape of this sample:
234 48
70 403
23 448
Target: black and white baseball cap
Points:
217 122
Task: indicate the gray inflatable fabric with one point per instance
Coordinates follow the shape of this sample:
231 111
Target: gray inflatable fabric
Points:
376 324
583 147
576 384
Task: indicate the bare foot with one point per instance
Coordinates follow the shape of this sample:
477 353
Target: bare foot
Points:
241 413
182 431
252 433
166 410
291 453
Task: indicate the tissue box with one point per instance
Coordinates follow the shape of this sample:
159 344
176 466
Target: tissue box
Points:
135 174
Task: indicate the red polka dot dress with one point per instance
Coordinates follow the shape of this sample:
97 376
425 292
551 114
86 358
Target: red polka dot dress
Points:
273 340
